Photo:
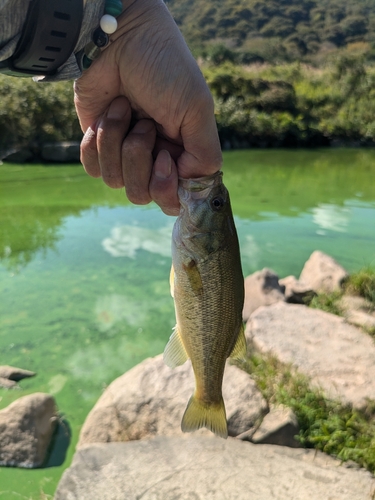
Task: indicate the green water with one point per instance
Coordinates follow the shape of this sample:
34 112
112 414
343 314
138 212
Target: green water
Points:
84 275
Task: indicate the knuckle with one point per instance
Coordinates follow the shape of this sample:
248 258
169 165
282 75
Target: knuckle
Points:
113 181
137 196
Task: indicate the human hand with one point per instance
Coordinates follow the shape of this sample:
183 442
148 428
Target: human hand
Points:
146 111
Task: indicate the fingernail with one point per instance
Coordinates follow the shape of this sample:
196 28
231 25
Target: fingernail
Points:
118 109
163 165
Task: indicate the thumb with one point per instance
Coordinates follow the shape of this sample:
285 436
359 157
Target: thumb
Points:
202 152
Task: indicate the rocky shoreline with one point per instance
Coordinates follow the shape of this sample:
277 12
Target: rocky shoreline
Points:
131 445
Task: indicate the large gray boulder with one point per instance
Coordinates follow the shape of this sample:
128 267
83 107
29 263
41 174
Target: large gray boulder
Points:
26 429
150 400
336 356
203 468
322 273
261 289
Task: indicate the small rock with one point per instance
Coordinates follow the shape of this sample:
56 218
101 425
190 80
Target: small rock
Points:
12 373
67 151
261 289
279 426
322 273
334 355
26 429
8 384
296 291
202 468
150 400
21 155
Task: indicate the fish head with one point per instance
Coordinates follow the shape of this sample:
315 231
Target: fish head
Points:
205 222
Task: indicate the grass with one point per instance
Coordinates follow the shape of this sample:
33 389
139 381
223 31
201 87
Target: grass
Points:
328 302
362 284
325 425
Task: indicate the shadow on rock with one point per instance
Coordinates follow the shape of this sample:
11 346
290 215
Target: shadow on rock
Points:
59 445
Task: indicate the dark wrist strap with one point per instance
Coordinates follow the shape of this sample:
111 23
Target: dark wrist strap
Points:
49 35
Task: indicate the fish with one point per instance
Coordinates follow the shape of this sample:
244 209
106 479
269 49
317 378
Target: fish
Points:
207 286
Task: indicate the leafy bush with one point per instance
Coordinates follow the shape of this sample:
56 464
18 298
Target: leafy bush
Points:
294 104
36 112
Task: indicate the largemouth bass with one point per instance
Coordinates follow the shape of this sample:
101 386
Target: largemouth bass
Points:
208 290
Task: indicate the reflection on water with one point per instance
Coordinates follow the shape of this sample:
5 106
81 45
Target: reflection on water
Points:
111 310
84 276
56 383
331 217
126 240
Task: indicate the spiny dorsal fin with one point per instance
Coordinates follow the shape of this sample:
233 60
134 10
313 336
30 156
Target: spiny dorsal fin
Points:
240 347
175 353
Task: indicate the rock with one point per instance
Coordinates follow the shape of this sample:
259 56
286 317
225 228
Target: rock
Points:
203 468
12 373
150 400
67 151
322 273
279 426
21 155
8 384
261 289
358 311
296 291
26 429
334 355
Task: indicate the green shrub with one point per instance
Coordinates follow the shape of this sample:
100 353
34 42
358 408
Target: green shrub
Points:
362 284
33 112
326 425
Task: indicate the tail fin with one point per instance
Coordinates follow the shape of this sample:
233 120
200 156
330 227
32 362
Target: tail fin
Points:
199 414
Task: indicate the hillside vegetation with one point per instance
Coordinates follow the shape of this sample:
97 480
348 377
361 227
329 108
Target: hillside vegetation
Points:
282 73
274 29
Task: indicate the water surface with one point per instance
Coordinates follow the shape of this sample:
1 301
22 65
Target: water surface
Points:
84 274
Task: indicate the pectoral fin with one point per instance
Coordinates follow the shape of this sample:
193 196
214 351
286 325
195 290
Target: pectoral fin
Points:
240 347
175 353
194 277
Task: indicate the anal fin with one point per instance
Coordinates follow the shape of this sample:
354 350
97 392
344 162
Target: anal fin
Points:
175 353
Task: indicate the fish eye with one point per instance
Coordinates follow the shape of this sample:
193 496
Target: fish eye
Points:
217 203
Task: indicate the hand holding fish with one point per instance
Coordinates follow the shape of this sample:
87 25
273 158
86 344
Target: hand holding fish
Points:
146 110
